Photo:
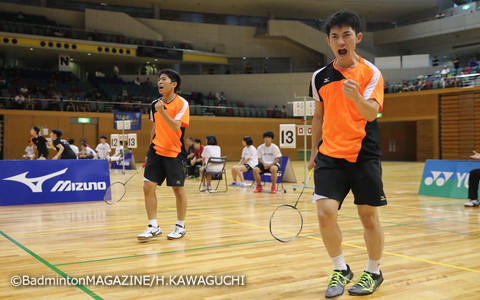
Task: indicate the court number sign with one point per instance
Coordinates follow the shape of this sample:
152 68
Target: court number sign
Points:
288 136
130 140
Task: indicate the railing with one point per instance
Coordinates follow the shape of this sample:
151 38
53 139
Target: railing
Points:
78 34
109 106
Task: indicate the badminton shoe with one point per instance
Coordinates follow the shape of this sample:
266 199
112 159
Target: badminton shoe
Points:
273 190
338 281
258 189
242 184
178 232
471 203
367 284
149 233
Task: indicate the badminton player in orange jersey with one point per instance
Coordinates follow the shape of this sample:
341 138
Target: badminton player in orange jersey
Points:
345 150
165 158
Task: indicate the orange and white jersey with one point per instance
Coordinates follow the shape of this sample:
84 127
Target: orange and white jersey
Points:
345 132
167 142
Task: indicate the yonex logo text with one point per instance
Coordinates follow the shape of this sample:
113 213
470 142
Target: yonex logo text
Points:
439 178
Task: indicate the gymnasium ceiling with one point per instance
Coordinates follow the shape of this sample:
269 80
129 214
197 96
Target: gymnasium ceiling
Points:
371 10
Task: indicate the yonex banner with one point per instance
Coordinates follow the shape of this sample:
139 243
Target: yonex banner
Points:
50 181
447 178
135 119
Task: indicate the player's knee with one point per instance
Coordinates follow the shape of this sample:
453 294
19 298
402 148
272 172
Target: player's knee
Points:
326 217
149 187
370 221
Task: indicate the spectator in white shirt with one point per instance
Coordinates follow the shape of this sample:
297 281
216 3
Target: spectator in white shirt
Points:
73 147
247 162
269 156
210 150
103 149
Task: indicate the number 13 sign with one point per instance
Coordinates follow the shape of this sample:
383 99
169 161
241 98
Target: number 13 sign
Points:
288 136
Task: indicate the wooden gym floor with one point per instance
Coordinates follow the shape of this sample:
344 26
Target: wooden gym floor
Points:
431 251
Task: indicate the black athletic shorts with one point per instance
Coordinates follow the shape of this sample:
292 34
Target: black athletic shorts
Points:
248 167
263 170
335 177
159 168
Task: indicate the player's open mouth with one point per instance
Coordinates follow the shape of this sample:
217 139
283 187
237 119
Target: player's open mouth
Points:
342 51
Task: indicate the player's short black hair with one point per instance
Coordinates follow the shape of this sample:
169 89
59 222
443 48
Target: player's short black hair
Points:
173 75
103 137
198 141
211 140
343 18
57 132
248 140
71 141
36 129
269 134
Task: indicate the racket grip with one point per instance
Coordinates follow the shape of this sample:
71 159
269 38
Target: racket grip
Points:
310 174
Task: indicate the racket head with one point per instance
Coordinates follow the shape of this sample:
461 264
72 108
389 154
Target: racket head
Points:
286 223
114 193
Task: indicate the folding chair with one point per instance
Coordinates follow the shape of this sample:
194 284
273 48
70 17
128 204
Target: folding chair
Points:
215 167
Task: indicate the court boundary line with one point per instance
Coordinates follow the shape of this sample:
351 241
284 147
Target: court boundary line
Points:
187 250
52 267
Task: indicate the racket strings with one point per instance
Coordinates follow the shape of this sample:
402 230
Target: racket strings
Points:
286 223
115 193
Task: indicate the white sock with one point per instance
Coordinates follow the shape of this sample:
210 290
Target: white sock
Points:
181 223
339 262
373 266
153 222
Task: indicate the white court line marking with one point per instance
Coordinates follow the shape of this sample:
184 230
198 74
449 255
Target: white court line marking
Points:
436 209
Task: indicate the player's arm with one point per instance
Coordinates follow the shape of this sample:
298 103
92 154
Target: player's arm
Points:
276 161
173 124
317 122
369 108
60 151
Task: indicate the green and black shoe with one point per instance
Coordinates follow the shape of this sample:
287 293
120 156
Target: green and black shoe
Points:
338 281
367 284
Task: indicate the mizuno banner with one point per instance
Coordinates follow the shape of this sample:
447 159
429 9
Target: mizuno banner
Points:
50 181
447 178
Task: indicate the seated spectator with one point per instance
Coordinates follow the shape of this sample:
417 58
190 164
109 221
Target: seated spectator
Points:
86 152
247 162
444 72
137 81
269 156
24 90
73 147
420 85
197 158
210 150
19 101
190 153
29 151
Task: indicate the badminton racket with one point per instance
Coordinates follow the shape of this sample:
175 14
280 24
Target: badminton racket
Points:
286 222
117 190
